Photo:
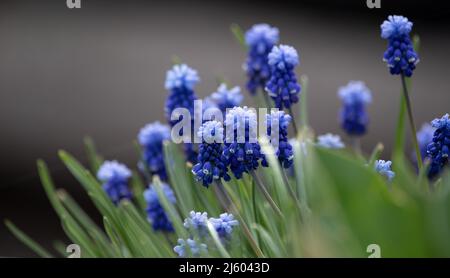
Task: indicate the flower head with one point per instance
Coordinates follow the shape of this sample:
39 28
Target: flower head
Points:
282 85
211 165
395 26
400 55
190 247
227 98
155 212
438 149
180 82
353 116
242 151
115 176
384 168
224 225
197 221
277 130
260 39
330 141
181 77
151 138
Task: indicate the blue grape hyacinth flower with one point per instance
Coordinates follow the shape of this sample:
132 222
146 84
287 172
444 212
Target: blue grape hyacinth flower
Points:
330 141
115 176
242 150
282 85
438 149
227 98
400 55
280 121
224 225
197 222
260 40
384 168
190 247
151 138
355 96
155 212
212 164
180 82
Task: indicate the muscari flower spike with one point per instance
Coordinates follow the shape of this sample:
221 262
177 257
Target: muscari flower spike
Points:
180 82
330 141
212 164
355 96
400 55
227 98
282 85
190 247
197 221
424 137
155 212
438 149
151 138
224 225
260 40
242 150
280 120
384 168
115 176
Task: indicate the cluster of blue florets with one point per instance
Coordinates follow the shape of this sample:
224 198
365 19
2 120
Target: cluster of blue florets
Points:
384 168
260 40
400 55
439 149
242 150
353 116
180 82
282 85
155 212
151 138
197 225
330 141
279 121
212 164
190 247
115 176
226 98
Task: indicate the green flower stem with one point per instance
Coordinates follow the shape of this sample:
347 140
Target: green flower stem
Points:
411 122
266 194
294 125
232 207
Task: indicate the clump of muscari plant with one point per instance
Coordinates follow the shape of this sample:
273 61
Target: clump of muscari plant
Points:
330 205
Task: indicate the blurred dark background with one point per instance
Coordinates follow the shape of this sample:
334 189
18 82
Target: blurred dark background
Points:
100 70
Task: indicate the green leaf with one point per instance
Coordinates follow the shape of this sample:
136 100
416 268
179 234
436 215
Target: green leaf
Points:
238 34
95 160
40 251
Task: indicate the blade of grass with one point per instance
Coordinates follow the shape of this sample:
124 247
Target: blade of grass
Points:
39 250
